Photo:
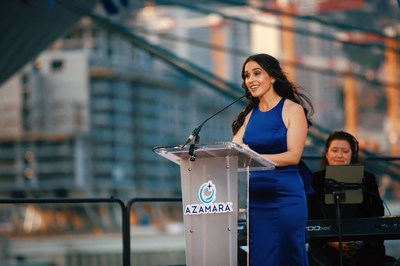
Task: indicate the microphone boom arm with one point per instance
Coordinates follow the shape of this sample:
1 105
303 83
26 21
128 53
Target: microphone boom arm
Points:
196 131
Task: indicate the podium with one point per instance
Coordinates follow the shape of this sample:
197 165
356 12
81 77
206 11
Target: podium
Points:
210 197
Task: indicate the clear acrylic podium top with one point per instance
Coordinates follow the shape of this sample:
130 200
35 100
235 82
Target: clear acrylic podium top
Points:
247 158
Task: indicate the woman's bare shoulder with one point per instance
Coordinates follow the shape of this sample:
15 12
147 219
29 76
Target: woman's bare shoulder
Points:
292 106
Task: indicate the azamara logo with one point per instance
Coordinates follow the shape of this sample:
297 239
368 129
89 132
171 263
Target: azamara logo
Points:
207 195
222 207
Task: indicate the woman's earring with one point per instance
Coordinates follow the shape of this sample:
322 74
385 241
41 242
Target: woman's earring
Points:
272 81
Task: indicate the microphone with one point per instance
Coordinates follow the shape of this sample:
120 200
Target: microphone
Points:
196 131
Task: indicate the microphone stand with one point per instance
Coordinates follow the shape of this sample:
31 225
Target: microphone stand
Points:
338 192
195 134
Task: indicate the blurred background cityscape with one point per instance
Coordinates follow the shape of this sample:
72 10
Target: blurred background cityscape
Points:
88 88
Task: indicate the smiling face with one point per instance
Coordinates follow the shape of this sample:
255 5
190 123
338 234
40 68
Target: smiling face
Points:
339 152
257 80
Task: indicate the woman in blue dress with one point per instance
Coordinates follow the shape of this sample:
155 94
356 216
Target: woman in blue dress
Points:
274 123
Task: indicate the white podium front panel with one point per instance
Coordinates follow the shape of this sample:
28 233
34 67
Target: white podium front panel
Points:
210 207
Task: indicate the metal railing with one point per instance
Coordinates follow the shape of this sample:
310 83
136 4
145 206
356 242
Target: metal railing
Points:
125 208
128 221
125 214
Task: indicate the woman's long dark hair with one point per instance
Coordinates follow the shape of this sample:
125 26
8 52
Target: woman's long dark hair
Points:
282 86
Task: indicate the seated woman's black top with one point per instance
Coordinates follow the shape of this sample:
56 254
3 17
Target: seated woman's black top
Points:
371 206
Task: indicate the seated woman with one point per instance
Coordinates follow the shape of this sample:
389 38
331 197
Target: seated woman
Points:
342 148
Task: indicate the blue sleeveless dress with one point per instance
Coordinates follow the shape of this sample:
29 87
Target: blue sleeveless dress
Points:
277 209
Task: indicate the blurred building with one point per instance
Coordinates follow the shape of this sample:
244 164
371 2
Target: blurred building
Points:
84 116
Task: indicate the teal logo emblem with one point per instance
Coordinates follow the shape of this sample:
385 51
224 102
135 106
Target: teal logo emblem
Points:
207 193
